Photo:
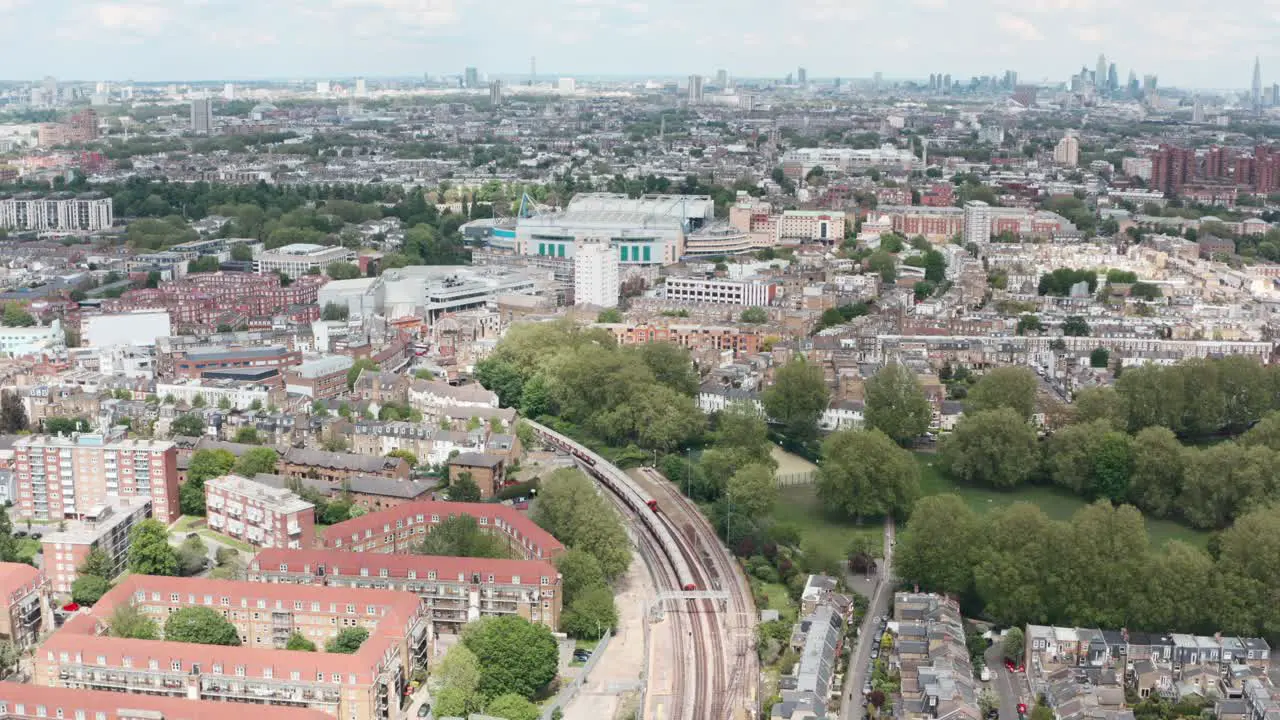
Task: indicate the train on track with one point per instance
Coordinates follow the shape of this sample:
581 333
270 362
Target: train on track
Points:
633 496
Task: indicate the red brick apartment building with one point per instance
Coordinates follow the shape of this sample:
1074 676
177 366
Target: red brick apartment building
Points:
398 529
259 514
106 527
23 701
366 685
456 590
24 590
62 477
201 298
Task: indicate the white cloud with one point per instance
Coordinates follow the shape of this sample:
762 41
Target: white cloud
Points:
402 14
1018 27
141 18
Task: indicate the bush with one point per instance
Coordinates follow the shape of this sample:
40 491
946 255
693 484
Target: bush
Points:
202 625
347 641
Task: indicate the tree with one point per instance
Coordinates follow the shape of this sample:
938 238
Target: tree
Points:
88 589
8 545
149 550
464 489
342 271
205 464
405 455
128 621
1005 387
590 614
360 366
10 655
1158 467
97 563
609 315
754 316
512 707
570 509
299 642
458 669
896 405
202 625
671 365
335 312
65 426
579 572
248 436
13 415
1075 326
16 316
1029 324
1014 645
995 448
241 252
255 461
797 399
1098 403
752 490
939 545
1099 357
515 655
192 555
461 536
883 264
864 474
347 641
190 425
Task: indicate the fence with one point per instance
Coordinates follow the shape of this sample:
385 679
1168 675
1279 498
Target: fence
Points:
567 693
800 478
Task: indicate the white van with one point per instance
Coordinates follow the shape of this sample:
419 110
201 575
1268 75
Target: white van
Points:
985 675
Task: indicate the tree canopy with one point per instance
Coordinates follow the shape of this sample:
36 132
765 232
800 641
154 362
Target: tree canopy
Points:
569 508
202 625
864 474
461 536
149 549
896 405
515 655
797 399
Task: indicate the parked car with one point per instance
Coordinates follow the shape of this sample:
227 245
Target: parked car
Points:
875 653
424 710
985 675
581 655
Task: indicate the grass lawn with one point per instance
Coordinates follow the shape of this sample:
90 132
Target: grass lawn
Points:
1055 503
187 523
779 600
798 505
27 548
243 547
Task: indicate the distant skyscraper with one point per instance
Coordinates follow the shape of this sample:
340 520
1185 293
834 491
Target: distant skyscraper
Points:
595 274
51 89
977 222
878 80
1134 88
1067 151
1257 83
495 93
1113 78
201 116
567 86
1197 111
946 82
695 89
229 92
1100 74
362 88
722 78
802 76
471 78
1151 88
322 87
533 70
1275 95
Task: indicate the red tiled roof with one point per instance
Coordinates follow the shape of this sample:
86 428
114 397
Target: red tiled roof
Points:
384 521
395 611
117 705
342 563
15 577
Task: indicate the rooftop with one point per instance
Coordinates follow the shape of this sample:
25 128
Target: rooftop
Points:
282 500
339 562
26 700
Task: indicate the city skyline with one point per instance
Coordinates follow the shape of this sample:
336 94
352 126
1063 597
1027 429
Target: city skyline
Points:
151 40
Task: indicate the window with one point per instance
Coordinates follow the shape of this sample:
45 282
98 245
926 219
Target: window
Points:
413 574
490 579
102 659
153 664
173 597
224 601
295 676
126 662
267 673
217 668
544 580
370 610
297 604
284 567
176 666
337 677
382 572
315 606
57 712
41 711
239 671
351 609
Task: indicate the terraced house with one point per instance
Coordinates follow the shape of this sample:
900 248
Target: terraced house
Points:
366 685
456 590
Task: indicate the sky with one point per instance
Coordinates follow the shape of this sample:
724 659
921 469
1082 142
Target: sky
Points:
1188 43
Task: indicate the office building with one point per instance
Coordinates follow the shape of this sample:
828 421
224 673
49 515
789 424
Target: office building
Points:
105 527
1067 151
456 590
195 363
495 93
57 212
25 591
320 377
35 340
24 701
695 89
648 230
722 79
1256 88
802 76
229 92
83 127
751 292
471 78
401 528
366 685
61 477
298 259
977 222
566 86
1113 78
1100 74
362 88
595 275
322 87
432 290
261 515
826 226
201 116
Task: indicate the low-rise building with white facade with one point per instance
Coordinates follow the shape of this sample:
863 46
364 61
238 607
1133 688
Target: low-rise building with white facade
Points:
297 259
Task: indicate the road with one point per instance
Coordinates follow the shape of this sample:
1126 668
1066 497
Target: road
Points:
856 674
1006 685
